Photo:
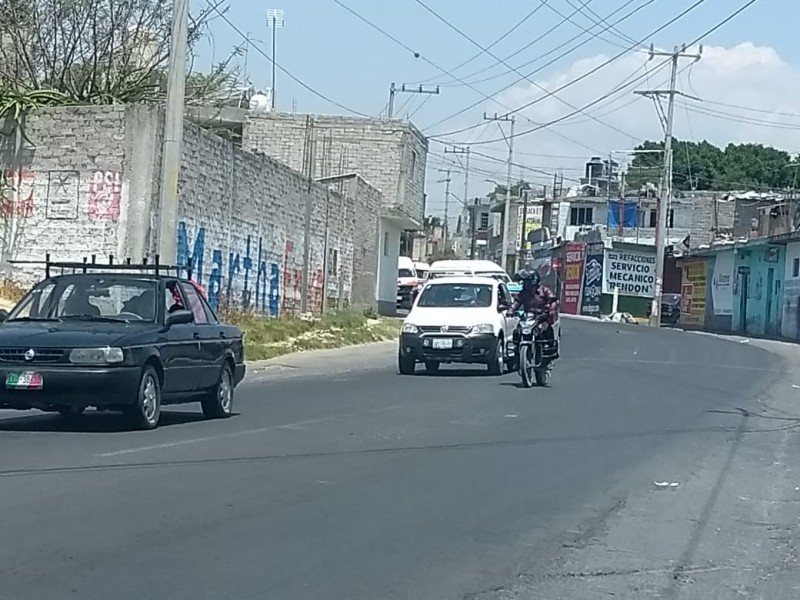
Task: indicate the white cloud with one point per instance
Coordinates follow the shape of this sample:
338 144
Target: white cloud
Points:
745 75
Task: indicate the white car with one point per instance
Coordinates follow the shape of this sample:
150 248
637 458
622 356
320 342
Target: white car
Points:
458 320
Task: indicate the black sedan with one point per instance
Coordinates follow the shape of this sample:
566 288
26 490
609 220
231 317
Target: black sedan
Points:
118 341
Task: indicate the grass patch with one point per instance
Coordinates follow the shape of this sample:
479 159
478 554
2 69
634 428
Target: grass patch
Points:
267 338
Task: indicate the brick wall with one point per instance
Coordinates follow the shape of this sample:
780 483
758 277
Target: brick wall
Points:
390 154
89 184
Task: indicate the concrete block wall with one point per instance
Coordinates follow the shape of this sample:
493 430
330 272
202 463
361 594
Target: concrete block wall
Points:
89 184
390 154
67 186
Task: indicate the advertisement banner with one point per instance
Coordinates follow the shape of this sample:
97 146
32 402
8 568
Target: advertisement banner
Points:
693 292
573 277
722 284
592 280
631 271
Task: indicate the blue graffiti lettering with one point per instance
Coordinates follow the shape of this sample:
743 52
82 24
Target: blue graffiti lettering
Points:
215 280
193 261
267 286
274 290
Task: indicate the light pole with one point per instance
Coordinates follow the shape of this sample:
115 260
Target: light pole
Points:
274 22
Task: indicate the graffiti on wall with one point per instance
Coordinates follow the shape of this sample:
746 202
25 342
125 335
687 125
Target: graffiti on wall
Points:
63 195
260 286
17 194
105 196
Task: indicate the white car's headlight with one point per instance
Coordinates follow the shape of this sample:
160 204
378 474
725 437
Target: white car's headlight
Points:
96 356
410 328
483 328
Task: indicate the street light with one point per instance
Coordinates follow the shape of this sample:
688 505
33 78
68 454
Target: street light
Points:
274 21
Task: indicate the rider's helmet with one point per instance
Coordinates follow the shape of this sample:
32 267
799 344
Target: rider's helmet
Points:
530 279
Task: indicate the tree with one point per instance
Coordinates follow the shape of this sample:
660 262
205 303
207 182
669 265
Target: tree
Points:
703 166
95 52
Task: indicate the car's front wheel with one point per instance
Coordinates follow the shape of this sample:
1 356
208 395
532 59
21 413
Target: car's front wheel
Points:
497 359
218 404
146 412
406 365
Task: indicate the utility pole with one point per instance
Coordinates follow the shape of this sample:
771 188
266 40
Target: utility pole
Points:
465 152
665 197
446 205
274 22
394 90
523 242
173 132
507 207
474 240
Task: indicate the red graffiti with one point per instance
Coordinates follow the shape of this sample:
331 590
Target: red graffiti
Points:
292 297
105 196
17 194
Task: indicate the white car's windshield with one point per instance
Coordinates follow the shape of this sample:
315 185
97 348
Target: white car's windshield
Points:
405 273
451 295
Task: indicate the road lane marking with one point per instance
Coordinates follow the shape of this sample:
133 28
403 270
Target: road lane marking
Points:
223 436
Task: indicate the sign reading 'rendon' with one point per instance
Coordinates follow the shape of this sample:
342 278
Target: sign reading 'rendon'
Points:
633 273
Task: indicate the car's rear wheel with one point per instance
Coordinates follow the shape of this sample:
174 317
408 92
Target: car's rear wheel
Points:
497 359
406 365
218 404
146 412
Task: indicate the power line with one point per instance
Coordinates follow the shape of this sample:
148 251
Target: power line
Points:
444 71
530 62
520 23
291 76
719 25
579 10
750 109
548 93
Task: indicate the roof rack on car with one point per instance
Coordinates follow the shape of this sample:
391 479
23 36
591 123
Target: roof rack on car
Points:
91 264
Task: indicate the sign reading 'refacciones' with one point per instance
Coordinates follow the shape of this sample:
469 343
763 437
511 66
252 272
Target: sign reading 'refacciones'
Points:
633 273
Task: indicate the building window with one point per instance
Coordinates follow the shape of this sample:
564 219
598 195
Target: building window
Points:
484 221
386 243
796 267
670 218
581 216
413 165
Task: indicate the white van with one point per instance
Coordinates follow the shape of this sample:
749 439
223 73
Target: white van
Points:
407 280
422 270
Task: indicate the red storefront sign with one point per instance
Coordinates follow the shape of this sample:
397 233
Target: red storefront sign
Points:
573 277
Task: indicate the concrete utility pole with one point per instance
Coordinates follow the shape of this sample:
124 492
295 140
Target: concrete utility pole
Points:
274 22
447 181
474 240
523 242
394 90
507 207
465 152
173 133
665 197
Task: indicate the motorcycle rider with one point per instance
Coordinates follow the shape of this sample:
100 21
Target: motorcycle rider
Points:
537 298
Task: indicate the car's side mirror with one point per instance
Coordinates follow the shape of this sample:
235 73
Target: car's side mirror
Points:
3 315
180 317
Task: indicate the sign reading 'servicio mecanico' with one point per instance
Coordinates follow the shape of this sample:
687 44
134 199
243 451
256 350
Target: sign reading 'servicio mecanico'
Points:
631 271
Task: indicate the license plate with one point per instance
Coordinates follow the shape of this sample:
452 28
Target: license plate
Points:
27 380
442 344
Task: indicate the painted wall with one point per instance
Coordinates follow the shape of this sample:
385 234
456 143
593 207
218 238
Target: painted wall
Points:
762 312
87 183
790 326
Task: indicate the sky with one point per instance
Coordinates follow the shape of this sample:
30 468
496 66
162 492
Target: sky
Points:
577 62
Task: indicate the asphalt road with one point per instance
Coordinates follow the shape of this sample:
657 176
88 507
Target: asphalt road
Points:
361 484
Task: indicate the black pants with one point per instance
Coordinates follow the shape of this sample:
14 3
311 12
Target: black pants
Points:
551 335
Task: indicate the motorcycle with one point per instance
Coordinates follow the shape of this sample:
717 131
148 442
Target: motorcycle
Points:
534 354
